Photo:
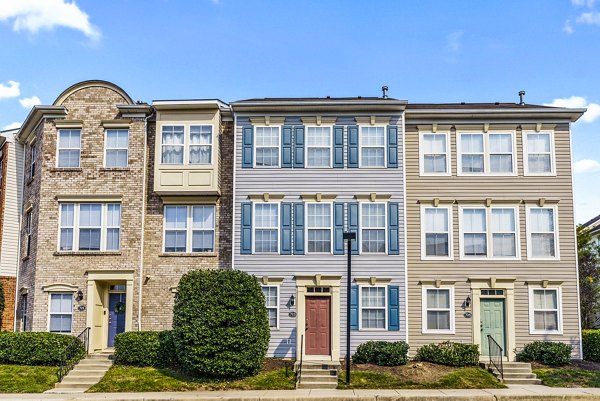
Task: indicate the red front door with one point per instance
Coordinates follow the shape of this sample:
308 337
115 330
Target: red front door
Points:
318 326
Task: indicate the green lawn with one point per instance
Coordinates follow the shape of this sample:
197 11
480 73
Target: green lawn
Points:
27 379
568 377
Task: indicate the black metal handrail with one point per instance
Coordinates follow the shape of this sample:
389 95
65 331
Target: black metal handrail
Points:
495 350
299 371
71 354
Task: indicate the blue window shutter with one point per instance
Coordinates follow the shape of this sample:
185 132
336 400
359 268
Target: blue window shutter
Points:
299 146
353 225
393 308
247 147
352 146
392 146
338 228
393 229
286 229
286 146
298 228
354 307
246 234
338 146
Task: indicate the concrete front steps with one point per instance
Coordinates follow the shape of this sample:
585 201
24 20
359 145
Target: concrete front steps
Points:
85 374
514 373
316 375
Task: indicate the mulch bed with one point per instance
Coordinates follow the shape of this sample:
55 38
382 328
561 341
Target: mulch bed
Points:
417 372
585 365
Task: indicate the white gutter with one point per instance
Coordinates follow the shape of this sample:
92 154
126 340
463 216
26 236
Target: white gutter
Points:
405 228
19 261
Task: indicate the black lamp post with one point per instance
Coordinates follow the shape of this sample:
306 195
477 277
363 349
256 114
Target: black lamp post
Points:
348 236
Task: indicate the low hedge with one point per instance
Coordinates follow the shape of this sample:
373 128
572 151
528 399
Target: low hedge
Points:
382 353
546 352
449 353
145 348
36 348
591 345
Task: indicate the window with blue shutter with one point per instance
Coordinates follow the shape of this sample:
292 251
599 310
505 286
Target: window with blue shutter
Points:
393 229
286 146
353 146
392 146
354 307
247 150
286 229
338 146
338 228
299 147
246 233
393 308
353 225
298 228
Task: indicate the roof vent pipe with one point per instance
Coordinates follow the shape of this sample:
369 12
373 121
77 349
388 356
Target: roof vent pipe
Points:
384 89
521 98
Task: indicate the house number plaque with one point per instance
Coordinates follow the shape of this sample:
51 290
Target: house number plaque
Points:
292 314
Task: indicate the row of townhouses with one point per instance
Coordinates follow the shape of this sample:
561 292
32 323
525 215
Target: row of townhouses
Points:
463 215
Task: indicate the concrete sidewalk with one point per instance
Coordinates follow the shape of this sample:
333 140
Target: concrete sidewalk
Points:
521 393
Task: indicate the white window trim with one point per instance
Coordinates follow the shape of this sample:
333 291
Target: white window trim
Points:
50 313
330 228
385 307
254 146
189 144
58 148
106 148
486 153
526 172
361 146
76 226
32 162
361 228
278 288
489 232
424 255
307 146
278 228
556 230
422 154
424 309
532 329
186 144
189 230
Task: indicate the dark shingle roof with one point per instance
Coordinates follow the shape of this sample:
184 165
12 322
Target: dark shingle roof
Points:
471 106
313 99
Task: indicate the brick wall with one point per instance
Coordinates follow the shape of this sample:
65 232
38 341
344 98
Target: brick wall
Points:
9 284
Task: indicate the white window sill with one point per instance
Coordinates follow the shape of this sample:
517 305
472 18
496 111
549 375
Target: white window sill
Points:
540 332
188 254
451 332
437 258
87 253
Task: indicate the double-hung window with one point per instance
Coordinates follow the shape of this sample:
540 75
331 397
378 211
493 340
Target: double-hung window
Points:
438 313
318 147
318 224
69 147
489 232
201 144
474 232
538 156
434 155
373 306
372 146
267 146
29 228
90 226
472 154
542 237
372 223
266 227
173 143
500 153
61 312
189 229
504 232
486 153
545 311
32 155
271 293
117 145
436 241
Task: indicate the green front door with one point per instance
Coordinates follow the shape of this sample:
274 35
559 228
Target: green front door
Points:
492 323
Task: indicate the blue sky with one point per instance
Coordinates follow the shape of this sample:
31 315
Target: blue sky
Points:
425 51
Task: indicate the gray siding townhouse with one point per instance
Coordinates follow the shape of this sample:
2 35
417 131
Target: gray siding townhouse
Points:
306 171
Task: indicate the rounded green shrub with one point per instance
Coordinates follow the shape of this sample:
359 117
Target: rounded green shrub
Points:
145 348
382 353
36 348
591 345
220 324
449 353
547 352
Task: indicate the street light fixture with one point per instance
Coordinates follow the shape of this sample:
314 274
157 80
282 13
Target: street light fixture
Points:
348 236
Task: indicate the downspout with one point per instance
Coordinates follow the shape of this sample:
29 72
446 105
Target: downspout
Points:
404 202
21 189
144 185
233 190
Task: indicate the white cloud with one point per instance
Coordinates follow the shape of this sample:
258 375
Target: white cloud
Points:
590 18
593 109
581 3
568 28
453 42
11 126
29 102
36 15
10 90
586 166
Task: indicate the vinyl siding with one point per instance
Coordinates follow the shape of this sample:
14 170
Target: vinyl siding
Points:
9 261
